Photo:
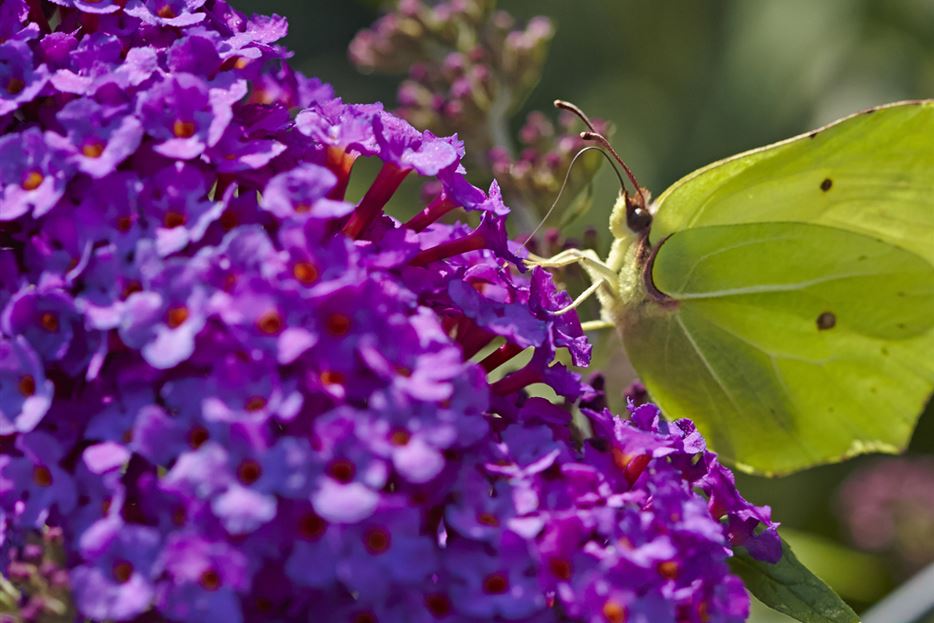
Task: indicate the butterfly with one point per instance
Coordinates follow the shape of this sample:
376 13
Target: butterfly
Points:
783 298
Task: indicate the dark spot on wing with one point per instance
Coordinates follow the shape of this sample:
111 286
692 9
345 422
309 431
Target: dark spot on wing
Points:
901 325
826 184
862 258
829 409
827 320
870 111
813 134
872 390
901 294
884 351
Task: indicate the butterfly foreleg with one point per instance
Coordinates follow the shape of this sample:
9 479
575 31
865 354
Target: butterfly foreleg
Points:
596 269
601 276
597 325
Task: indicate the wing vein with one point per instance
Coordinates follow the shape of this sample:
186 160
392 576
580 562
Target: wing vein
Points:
710 368
771 287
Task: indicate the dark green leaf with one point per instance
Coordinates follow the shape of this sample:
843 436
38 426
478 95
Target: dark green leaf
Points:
791 589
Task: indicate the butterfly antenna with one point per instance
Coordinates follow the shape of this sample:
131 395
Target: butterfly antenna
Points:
568 106
638 216
567 177
602 140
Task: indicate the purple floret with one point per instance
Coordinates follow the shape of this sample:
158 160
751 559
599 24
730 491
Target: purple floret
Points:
20 79
116 580
25 393
32 175
185 114
166 12
98 139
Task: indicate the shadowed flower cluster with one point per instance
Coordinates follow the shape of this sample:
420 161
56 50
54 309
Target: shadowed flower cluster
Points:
469 68
888 506
237 394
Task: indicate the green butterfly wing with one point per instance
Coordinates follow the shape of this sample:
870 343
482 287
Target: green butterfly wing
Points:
872 173
791 318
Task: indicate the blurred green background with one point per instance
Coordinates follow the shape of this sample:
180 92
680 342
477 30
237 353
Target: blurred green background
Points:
686 83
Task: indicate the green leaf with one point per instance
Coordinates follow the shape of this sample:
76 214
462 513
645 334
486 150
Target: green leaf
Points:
790 588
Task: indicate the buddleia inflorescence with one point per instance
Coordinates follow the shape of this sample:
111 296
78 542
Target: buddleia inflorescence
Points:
233 393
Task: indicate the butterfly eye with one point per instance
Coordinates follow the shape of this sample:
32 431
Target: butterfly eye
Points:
638 219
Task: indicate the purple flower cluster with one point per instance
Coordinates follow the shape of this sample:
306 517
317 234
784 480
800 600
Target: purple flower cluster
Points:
887 506
239 395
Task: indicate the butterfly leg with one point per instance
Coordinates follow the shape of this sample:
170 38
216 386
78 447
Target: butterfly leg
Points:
599 273
586 294
588 260
597 325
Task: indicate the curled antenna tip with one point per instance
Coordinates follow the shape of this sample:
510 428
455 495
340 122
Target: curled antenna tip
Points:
565 105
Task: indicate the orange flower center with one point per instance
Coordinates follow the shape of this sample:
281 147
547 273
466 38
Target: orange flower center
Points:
488 519
495 584
32 180
124 223
15 86
270 322
49 322
197 436
123 571
668 569
94 149
27 385
400 437
329 377
377 540
131 287
249 471
42 476
176 316
184 129
438 605
305 272
614 612
174 219
210 580
312 527
255 403
338 324
342 471
560 568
